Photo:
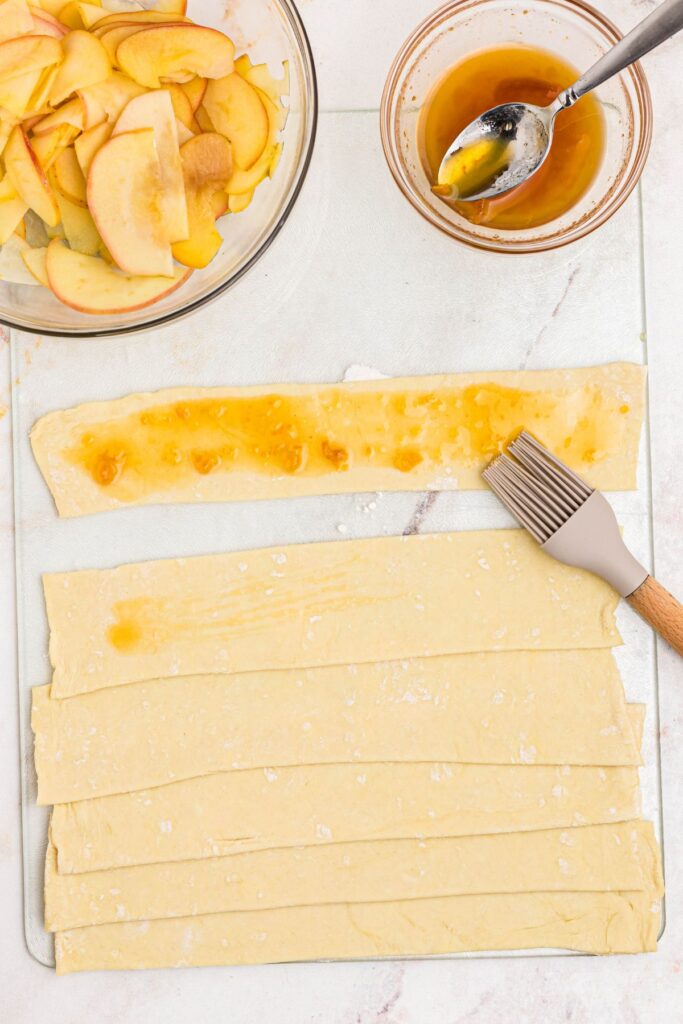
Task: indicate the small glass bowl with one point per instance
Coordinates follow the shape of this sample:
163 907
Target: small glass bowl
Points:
270 31
574 31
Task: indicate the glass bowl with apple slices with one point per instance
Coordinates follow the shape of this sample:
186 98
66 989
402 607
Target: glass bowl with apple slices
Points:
149 154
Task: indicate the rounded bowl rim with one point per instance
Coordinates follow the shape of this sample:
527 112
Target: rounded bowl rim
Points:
613 199
291 12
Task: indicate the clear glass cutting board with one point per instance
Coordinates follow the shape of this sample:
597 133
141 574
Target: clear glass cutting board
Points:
355 277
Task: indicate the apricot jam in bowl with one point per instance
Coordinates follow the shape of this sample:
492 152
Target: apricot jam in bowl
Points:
474 54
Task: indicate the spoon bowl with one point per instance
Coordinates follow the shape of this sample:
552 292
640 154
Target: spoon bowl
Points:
496 152
505 145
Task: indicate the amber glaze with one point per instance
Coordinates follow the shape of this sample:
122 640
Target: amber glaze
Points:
501 75
333 428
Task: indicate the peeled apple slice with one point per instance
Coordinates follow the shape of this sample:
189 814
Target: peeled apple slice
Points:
91 285
126 199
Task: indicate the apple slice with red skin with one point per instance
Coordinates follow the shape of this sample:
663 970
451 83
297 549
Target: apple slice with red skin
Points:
91 285
28 178
174 52
126 199
155 110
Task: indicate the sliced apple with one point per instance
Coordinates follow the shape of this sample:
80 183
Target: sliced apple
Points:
203 120
184 134
167 6
246 181
90 14
91 285
48 147
111 37
12 209
35 260
155 110
69 113
169 51
239 203
238 112
52 7
16 93
28 53
87 144
207 166
45 24
125 198
28 177
181 106
260 77
68 177
12 267
15 19
79 227
6 127
106 100
38 105
70 16
21 228
56 231
85 63
144 18
219 203
194 90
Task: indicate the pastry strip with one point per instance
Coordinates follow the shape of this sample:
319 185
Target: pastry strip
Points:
596 858
233 812
588 922
406 434
545 707
320 604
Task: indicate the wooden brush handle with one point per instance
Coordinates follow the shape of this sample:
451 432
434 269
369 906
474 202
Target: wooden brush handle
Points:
661 609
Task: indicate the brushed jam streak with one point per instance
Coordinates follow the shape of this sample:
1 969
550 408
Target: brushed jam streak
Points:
334 428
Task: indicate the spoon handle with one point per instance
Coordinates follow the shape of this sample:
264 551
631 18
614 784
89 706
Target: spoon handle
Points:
659 26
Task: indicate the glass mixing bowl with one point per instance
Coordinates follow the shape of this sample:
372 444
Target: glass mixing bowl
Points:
270 31
571 29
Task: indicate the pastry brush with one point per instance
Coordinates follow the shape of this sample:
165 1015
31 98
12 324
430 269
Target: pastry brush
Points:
576 525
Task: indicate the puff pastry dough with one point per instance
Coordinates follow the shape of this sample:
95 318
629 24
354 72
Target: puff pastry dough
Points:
596 858
416 433
588 922
544 707
233 812
313 604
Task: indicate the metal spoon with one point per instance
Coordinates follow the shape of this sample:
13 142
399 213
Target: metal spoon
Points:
507 144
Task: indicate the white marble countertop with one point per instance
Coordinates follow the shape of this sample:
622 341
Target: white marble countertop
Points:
580 990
